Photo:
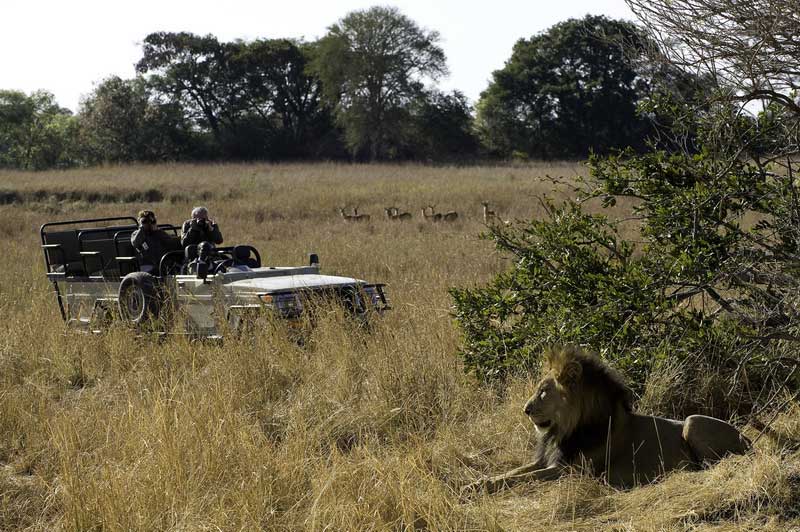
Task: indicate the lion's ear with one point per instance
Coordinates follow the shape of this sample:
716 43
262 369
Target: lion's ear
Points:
570 375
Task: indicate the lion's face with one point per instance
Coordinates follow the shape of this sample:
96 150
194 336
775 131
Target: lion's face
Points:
549 405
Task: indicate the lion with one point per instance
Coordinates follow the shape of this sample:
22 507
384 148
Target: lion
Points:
583 414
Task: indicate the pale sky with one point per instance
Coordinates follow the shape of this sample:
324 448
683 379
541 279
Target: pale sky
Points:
67 46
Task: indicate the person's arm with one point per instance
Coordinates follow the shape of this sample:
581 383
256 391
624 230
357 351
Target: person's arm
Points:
215 235
189 233
137 238
184 232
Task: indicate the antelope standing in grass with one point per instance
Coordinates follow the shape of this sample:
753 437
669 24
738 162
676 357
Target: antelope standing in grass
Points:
393 213
450 216
433 216
355 217
489 216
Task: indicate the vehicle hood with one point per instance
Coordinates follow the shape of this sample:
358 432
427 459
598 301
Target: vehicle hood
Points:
290 282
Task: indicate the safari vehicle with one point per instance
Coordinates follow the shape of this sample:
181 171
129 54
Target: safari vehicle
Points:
98 276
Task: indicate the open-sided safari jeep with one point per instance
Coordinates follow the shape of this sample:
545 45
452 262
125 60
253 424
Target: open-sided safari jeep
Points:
97 276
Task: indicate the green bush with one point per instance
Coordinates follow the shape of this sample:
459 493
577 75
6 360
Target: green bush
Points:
694 286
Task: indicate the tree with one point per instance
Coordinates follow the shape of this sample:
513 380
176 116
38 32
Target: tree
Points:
443 127
748 130
120 122
711 280
190 70
285 95
256 99
747 54
566 92
35 132
373 65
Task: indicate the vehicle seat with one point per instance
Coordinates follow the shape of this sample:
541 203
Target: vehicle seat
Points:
63 252
190 252
190 260
243 257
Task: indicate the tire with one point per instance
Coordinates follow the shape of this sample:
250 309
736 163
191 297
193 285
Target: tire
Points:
139 300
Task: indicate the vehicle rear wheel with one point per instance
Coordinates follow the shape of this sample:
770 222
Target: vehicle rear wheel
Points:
139 300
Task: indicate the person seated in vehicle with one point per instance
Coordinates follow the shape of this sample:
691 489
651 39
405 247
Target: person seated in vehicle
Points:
197 257
200 229
151 242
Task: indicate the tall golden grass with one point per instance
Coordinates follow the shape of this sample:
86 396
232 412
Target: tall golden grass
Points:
354 430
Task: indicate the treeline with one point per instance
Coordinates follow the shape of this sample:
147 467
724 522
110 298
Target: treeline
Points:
365 91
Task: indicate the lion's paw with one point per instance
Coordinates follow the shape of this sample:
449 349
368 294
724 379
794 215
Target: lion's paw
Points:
485 485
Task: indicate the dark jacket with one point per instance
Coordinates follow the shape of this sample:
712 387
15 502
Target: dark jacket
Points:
152 245
193 233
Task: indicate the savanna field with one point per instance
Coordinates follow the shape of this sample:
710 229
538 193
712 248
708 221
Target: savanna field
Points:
353 430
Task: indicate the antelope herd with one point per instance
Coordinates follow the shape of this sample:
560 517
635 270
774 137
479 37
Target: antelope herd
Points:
428 214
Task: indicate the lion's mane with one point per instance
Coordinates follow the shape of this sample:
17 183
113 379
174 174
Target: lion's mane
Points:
592 404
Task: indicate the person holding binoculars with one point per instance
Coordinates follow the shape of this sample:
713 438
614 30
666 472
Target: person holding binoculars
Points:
200 229
151 242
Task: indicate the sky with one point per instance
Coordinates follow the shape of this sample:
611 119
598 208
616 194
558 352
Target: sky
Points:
67 47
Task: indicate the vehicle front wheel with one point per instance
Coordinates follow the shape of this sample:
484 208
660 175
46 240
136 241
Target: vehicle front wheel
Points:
139 300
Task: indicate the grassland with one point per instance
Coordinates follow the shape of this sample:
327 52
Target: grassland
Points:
352 431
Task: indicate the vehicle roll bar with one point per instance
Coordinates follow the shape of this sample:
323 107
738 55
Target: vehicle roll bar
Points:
85 221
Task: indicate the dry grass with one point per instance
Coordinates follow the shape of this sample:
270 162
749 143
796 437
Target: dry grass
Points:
353 431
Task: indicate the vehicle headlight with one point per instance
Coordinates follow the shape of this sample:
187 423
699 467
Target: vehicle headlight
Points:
287 303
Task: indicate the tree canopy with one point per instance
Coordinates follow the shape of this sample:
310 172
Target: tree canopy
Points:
255 98
568 91
120 121
373 64
35 132
747 55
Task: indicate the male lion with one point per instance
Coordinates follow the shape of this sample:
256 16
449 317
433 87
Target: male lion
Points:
583 413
